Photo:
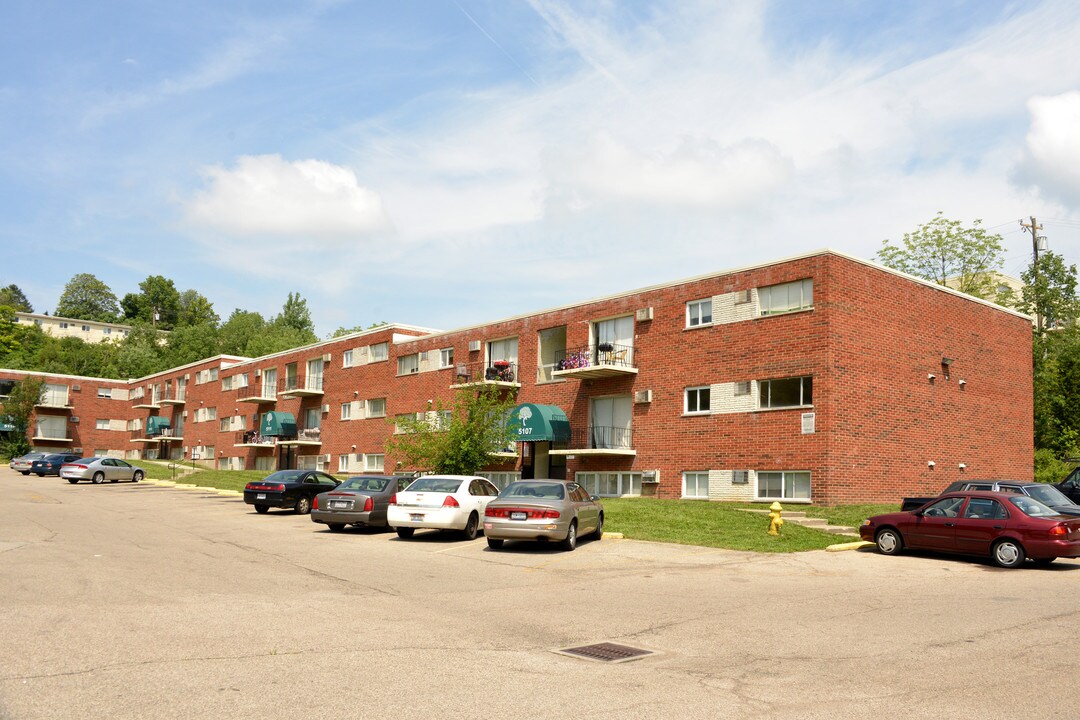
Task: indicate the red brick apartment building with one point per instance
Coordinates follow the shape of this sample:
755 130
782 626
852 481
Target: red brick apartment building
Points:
822 378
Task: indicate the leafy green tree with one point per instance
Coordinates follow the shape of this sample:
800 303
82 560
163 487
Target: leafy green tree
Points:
73 356
359 328
140 353
1049 292
87 298
296 315
188 343
157 303
13 297
17 409
277 338
195 309
946 252
461 445
238 332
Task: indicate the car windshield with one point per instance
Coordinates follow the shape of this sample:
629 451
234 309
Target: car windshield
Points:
1032 507
283 476
53 458
1048 495
544 491
435 484
360 483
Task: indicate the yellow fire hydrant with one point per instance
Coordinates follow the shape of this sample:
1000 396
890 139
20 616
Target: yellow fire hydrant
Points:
775 521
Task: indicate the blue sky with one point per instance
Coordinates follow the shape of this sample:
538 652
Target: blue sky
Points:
447 163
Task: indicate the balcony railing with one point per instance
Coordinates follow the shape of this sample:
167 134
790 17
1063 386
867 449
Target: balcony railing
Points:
599 440
304 436
156 435
252 438
53 400
595 361
149 401
257 393
299 385
498 372
174 397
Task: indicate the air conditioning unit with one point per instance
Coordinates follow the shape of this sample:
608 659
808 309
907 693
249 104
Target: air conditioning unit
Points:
325 409
645 314
326 357
76 388
185 413
643 396
187 376
326 457
258 372
742 297
360 404
474 346
650 476
73 418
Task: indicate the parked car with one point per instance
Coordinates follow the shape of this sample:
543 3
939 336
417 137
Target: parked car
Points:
50 464
441 502
360 501
543 510
288 489
1007 527
22 464
99 469
1070 486
1043 492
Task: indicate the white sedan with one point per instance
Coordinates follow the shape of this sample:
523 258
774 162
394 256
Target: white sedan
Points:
441 502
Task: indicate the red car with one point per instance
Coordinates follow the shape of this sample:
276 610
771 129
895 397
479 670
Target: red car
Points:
1006 527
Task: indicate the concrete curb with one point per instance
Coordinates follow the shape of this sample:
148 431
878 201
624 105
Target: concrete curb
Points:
612 536
849 546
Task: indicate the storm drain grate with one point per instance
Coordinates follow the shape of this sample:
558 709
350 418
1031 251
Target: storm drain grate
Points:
607 652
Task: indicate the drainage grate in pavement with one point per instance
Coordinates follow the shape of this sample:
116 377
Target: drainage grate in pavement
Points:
607 652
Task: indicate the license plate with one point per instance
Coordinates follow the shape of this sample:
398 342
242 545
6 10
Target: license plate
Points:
517 516
415 517
260 496
341 504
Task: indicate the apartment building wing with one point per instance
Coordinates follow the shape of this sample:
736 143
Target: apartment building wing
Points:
821 378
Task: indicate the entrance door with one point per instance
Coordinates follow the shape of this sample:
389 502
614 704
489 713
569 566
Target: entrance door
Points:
527 470
286 457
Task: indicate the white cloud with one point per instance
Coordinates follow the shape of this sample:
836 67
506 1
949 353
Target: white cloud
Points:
267 196
1051 160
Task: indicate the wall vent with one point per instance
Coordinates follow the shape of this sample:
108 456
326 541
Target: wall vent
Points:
76 388
74 418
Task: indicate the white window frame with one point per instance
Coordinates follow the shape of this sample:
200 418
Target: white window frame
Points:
346 411
342 463
347 359
373 413
778 299
696 391
104 393
627 482
374 462
446 358
694 315
788 480
103 424
408 364
765 393
692 484
379 352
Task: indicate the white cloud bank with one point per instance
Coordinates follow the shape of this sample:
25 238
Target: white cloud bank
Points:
1051 159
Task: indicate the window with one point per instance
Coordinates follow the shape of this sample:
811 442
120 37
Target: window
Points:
408 364
789 392
695 485
63 326
312 418
227 383
376 407
107 331
102 424
786 297
86 328
346 358
740 477
503 350
343 463
784 485
379 352
610 484
446 357
402 420
374 463
697 400
500 479
742 388
698 312
104 392
346 411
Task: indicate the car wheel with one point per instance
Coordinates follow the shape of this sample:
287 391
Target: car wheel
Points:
98 478
494 543
262 509
1008 553
599 527
73 480
405 533
41 474
571 537
336 527
471 527
303 506
889 541
137 477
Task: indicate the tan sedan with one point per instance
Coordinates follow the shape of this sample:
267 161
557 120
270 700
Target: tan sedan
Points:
545 510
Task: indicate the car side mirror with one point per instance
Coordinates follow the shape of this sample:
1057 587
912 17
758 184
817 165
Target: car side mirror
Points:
594 498
917 513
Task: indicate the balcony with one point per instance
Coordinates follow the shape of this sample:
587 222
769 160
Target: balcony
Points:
299 386
602 360
156 435
148 403
257 393
44 435
54 400
174 397
500 372
252 438
306 437
599 441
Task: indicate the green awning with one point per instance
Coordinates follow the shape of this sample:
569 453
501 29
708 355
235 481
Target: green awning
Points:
278 424
155 424
529 422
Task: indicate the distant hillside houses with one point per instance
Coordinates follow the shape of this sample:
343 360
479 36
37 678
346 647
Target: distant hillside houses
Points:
87 330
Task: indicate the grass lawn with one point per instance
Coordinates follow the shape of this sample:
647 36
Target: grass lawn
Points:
221 479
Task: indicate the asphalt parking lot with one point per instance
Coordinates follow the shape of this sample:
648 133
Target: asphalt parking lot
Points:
137 601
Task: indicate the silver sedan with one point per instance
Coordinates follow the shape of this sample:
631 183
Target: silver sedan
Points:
99 469
543 510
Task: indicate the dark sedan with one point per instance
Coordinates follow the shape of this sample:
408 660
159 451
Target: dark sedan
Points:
360 501
1004 526
288 489
50 464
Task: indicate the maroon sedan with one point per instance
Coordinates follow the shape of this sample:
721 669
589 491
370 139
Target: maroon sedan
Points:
1004 526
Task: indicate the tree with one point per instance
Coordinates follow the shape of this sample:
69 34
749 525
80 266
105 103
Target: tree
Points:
459 444
87 298
946 252
195 309
359 328
188 343
238 332
1049 292
18 408
156 303
296 315
14 298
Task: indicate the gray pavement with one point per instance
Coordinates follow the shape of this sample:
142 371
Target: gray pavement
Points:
134 601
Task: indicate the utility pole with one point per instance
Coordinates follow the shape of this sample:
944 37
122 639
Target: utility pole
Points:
1038 242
